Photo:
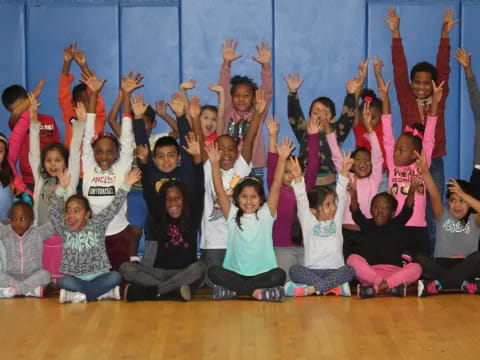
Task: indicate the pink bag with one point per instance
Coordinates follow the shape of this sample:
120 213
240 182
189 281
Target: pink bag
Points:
52 255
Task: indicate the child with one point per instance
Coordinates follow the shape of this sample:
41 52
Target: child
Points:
169 266
249 268
402 167
105 164
325 271
465 59
23 273
234 165
321 107
68 101
456 262
239 99
84 260
367 171
15 100
287 235
415 98
378 262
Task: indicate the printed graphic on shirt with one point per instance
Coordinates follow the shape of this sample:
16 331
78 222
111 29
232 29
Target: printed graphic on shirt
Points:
217 211
176 237
324 230
47 130
402 178
239 129
159 183
454 226
101 191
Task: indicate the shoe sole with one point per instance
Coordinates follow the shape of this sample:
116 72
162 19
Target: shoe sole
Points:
185 293
420 288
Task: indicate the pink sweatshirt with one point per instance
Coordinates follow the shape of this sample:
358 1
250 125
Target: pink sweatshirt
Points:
15 141
367 187
232 115
399 177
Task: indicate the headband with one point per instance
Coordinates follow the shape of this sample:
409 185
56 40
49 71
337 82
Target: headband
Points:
104 134
23 198
413 131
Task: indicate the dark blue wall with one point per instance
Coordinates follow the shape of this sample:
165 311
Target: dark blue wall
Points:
173 40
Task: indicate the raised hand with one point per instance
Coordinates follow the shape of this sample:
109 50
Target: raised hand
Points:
421 162
264 54
465 59
363 69
260 104
216 88
142 153
194 108
68 52
448 22
295 168
193 144
90 79
64 178
228 51
393 22
211 148
273 126
367 117
347 163
80 57
132 177
80 112
455 188
377 65
437 92
353 85
131 82
314 126
177 104
33 107
285 149
161 108
138 106
414 184
187 85
383 90
293 82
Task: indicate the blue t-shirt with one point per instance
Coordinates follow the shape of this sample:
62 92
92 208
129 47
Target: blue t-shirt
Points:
250 251
5 202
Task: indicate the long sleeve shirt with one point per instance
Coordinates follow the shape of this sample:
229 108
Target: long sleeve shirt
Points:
361 140
411 110
475 105
236 122
15 141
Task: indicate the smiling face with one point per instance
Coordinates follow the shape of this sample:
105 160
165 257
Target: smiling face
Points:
249 200
166 158
421 85
76 214
362 167
242 97
208 121
174 202
229 152
327 210
457 207
403 154
382 210
54 162
105 152
21 218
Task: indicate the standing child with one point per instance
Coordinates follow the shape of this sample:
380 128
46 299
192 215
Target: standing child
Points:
325 271
378 262
239 99
84 260
456 262
249 268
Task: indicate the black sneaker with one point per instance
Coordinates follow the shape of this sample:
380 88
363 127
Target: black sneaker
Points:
138 293
364 292
400 291
428 287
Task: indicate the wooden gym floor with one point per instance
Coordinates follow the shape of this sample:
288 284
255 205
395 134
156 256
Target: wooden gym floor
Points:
441 327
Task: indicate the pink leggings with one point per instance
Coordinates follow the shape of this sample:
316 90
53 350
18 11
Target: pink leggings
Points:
393 275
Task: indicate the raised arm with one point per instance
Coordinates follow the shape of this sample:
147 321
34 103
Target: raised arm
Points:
347 115
24 104
34 146
220 108
228 53
222 197
260 107
435 197
273 128
113 115
161 110
186 85
455 188
194 110
294 110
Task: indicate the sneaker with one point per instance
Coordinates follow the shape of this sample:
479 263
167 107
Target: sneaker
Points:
112 294
340 290
138 293
471 287
71 297
185 292
37 292
406 258
364 292
399 291
276 293
221 293
428 287
7 292
295 289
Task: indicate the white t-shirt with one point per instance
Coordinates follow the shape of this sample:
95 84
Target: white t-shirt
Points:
214 225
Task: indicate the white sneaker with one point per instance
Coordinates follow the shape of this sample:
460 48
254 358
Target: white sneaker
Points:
71 297
37 292
7 292
112 294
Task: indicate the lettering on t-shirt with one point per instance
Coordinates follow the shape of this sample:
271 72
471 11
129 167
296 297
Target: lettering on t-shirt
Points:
101 191
455 226
324 230
402 178
46 130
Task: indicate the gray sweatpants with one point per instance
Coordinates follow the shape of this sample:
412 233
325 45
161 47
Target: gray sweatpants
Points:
321 279
211 257
289 256
25 284
167 280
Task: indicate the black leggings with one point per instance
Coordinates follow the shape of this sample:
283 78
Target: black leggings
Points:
244 285
451 273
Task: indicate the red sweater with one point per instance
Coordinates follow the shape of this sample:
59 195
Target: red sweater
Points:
406 100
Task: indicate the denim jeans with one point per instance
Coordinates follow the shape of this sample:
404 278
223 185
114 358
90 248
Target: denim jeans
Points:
438 174
91 288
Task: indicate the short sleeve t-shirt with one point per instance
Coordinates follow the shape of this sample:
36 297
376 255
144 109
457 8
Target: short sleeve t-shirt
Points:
250 249
455 238
214 226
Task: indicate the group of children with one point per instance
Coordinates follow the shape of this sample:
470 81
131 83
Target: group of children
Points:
78 210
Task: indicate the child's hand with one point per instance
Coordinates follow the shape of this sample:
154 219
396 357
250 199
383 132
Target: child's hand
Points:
131 82
363 69
393 21
194 108
90 79
80 112
285 149
68 52
454 188
133 177
377 65
464 58
421 162
187 85
260 104
193 145
273 126
352 188
367 117
79 57
448 22
353 84
33 108
314 126
216 88
211 148
383 90
347 163
142 153
138 106
293 82
296 169
161 108
177 104
414 184
437 92
228 51
64 178
264 54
